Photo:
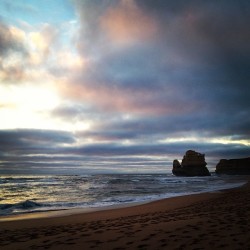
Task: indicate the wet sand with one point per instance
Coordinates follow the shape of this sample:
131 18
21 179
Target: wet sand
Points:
218 220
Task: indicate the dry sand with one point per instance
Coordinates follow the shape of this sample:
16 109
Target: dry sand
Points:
219 220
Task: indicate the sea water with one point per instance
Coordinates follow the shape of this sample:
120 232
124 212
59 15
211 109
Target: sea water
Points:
34 193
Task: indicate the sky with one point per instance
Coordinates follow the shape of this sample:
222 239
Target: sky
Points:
122 86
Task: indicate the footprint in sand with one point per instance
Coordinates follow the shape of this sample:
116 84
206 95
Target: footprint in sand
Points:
142 246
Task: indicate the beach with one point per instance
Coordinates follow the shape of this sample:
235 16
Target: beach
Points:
215 220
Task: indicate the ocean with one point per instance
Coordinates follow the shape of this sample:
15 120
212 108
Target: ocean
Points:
35 193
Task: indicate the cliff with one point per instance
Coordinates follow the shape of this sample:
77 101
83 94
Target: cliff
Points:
193 164
234 166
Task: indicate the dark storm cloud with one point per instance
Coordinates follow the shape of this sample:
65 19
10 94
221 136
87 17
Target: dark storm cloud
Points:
208 125
34 151
192 76
214 32
24 141
168 150
198 58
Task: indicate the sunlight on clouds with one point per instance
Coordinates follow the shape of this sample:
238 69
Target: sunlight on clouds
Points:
38 49
229 140
41 40
80 126
29 106
127 142
70 60
12 61
32 70
223 140
51 48
35 58
29 97
23 106
75 126
180 139
126 24
21 118
12 58
17 34
38 41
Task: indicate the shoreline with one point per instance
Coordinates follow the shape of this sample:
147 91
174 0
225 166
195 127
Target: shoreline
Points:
207 220
82 210
86 210
52 218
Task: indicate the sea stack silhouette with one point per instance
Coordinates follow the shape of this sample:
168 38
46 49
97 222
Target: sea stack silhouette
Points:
193 164
234 166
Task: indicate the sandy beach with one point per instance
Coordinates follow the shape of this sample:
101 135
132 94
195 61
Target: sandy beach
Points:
218 220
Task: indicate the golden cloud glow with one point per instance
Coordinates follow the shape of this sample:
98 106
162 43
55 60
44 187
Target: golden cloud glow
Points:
23 106
70 60
180 139
229 140
197 139
40 42
29 106
17 34
29 97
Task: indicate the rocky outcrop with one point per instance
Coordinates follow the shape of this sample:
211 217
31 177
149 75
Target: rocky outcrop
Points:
193 164
234 166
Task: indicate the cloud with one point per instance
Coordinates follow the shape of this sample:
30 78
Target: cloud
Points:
16 57
11 39
196 50
141 77
125 24
111 98
38 53
152 150
12 52
24 141
42 41
187 78
169 128
47 151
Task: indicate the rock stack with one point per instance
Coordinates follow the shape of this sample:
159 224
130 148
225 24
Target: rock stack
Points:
234 166
193 164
